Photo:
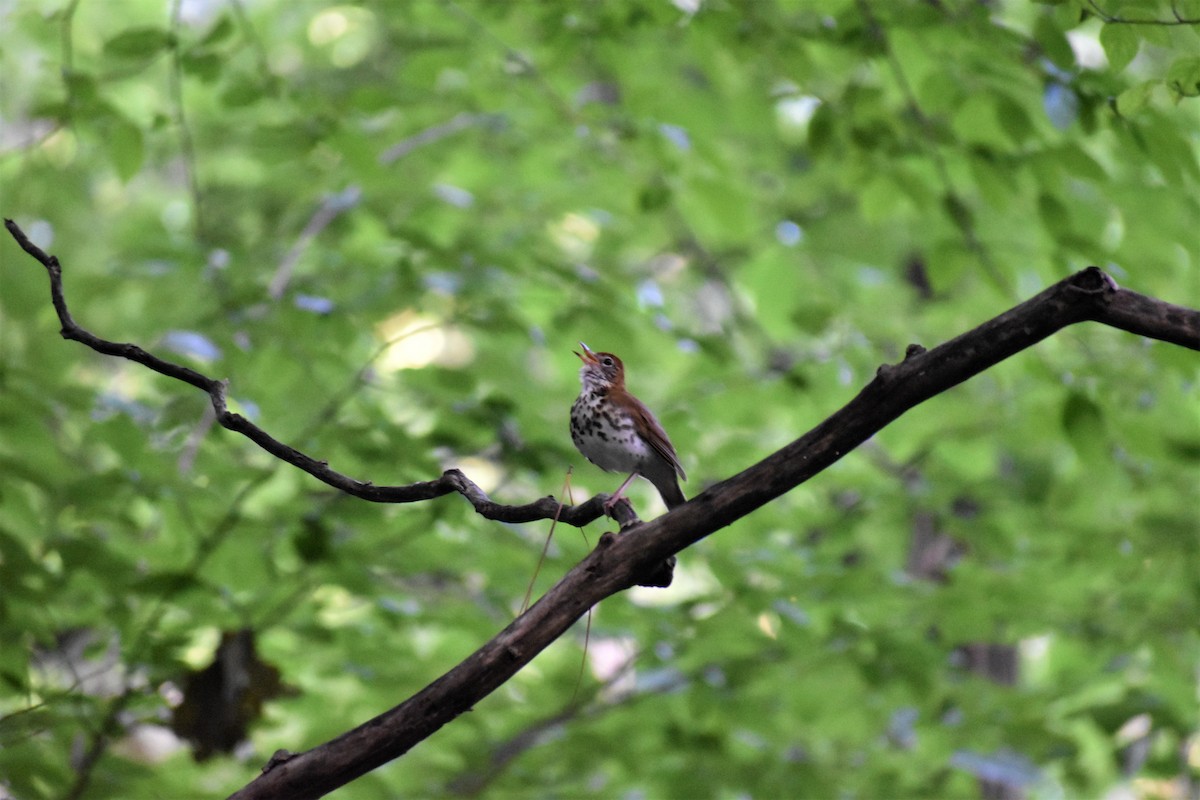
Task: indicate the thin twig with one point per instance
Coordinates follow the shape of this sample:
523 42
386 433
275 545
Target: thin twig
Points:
545 548
456 124
1113 19
326 213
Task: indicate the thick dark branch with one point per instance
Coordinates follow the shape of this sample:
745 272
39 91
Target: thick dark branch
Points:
1147 316
449 482
619 562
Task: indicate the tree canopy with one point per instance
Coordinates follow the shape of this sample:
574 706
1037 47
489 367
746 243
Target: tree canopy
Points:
388 224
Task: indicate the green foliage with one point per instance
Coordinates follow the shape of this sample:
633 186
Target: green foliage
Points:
388 224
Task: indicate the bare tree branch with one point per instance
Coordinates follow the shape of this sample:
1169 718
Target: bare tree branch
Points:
327 212
449 482
639 554
460 122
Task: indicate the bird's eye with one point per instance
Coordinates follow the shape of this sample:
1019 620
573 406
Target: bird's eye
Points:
608 362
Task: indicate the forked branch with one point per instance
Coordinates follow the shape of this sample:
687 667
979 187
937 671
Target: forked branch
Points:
450 481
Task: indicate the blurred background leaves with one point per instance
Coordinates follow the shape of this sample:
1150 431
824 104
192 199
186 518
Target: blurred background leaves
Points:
388 224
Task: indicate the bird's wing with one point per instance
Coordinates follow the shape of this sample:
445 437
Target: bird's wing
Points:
657 439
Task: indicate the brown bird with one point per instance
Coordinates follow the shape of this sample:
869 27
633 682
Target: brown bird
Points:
617 433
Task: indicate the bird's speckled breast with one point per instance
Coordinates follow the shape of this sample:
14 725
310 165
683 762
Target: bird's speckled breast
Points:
606 437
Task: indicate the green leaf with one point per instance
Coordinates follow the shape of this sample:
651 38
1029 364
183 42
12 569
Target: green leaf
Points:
1183 77
1054 214
22 575
243 89
219 32
1120 43
978 122
1081 164
1172 152
82 86
25 723
948 261
1135 98
167 582
880 198
1053 41
203 65
281 141
654 195
1083 422
141 43
125 146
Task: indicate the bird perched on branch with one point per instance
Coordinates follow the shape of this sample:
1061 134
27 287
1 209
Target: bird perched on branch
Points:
617 433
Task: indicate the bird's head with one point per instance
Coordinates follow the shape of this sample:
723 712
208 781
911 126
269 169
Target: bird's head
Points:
600 370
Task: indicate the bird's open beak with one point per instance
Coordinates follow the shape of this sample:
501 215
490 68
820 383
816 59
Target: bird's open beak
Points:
587 357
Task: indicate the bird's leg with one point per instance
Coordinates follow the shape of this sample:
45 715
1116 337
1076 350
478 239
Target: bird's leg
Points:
612 501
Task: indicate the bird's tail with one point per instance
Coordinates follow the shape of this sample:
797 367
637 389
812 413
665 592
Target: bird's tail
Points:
671 494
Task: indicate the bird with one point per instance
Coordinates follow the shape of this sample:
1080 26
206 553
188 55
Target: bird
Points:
616 432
